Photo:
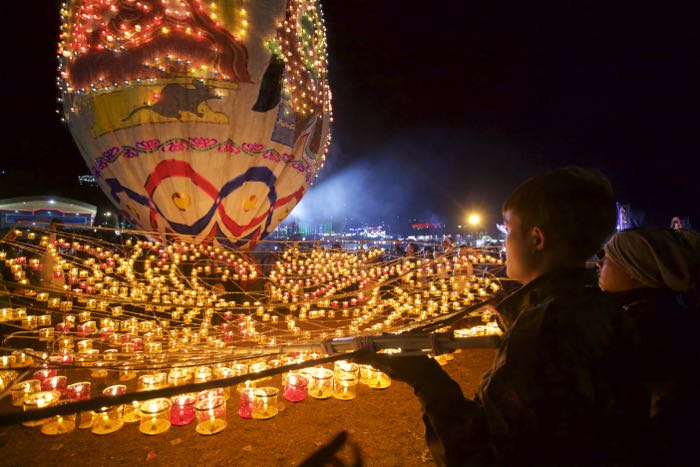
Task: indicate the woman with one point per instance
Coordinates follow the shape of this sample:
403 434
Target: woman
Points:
653 275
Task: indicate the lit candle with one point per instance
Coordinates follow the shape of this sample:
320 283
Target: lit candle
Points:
182 411
320 383
109 419
155 416
55 383
84 345
203 374
377 380
295 387
60 424
345 386
81 391
151 382
221 373
211 415
47 373
265 403
39 400
25 388
44 320
5 314
179 376
245 407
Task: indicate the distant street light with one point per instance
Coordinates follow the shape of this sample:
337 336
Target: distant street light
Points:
474 219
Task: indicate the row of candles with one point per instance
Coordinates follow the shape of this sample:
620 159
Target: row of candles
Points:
367 310
208 408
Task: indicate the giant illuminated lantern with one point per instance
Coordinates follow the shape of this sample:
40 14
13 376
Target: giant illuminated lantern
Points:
200 119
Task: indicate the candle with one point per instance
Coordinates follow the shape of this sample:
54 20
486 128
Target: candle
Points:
182 410
257 368
154 347
344 368
30 322
81 391
364 373
377 380
46 334
44 320
5 314
84 345
23 360
47 373
211 415
221 373
240 369
6 378
295 387
345 386
202 374
130 412
265 403
155 416
179 376
151 382
39 400
25 388
109 419
8 361
320 383
60 424
245 407
55 383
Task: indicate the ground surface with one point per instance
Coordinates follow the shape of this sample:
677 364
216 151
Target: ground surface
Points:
385 424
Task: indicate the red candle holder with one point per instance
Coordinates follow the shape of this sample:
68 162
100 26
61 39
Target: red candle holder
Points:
245 408
182 410
45 374
79 391
295 387
55 383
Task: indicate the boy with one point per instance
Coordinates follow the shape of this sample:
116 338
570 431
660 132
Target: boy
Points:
557 392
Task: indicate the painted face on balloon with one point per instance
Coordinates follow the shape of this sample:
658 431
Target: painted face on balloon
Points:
204 120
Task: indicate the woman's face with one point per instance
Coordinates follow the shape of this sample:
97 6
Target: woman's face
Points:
612 278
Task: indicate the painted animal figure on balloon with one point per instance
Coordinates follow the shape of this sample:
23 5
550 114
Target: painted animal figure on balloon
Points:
176 98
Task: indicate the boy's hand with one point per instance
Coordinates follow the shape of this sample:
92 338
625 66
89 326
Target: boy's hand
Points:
411 370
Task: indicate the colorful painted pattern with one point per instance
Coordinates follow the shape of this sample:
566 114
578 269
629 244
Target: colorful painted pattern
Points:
196 144
173 168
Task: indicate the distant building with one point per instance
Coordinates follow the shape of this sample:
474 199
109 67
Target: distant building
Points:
41 210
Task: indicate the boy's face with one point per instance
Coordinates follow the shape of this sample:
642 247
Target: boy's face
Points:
612 278
521 256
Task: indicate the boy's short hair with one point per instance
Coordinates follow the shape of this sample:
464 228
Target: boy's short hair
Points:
574 207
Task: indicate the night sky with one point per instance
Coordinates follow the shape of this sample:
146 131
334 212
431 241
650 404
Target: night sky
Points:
447 106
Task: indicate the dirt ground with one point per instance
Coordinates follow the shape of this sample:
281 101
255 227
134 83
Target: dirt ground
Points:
386 424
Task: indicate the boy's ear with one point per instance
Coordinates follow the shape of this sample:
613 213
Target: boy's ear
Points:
538 239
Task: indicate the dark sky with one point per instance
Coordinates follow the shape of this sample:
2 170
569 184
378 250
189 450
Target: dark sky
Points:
458 101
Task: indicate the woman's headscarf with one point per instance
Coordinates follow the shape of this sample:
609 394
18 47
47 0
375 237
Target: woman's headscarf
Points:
658 257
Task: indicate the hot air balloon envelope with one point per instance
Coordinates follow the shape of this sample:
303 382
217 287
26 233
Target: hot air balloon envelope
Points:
199 119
